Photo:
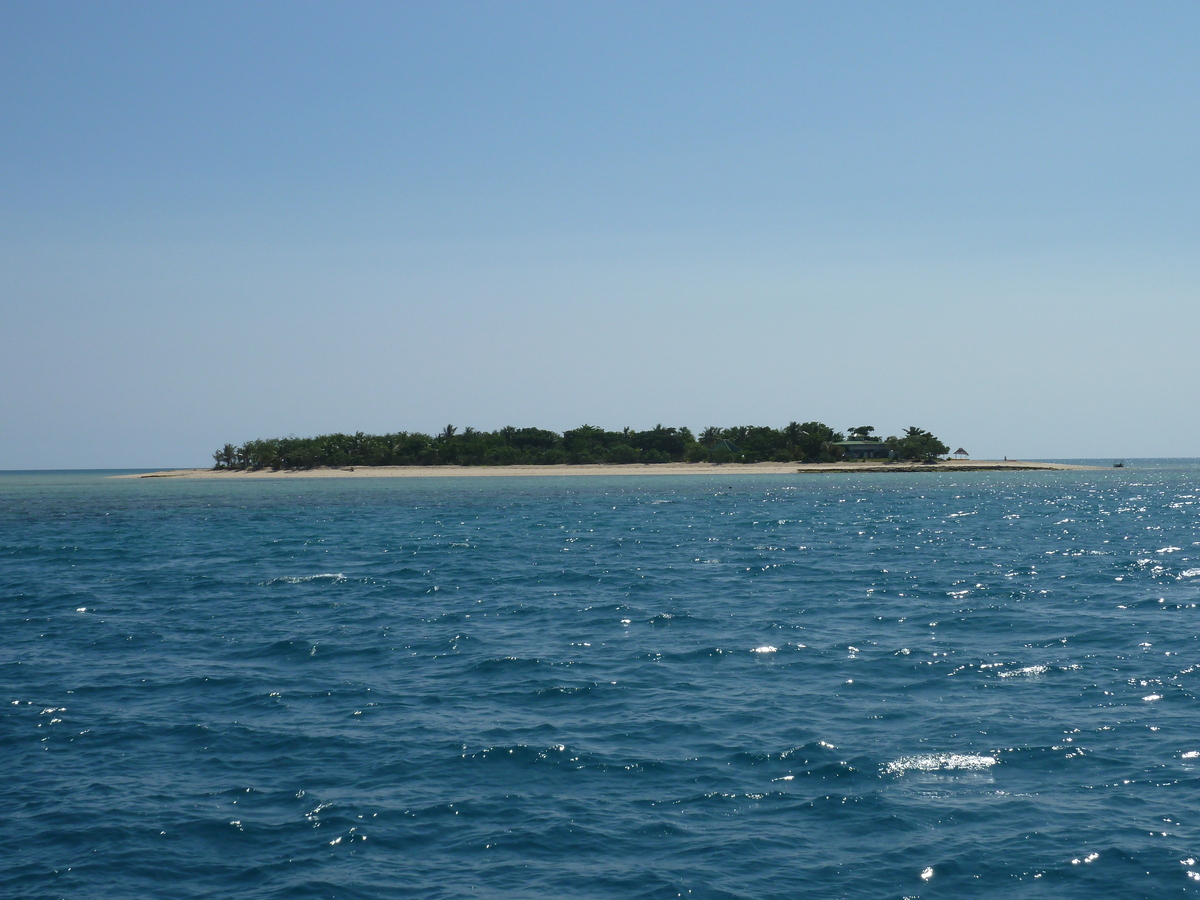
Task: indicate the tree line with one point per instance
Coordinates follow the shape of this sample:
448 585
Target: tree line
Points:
807 442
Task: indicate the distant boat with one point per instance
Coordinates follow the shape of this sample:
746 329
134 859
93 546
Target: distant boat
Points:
1118 464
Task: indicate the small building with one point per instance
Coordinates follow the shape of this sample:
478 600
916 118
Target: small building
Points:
863 449
960 453
728 446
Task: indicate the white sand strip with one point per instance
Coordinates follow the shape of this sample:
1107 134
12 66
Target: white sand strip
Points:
730 469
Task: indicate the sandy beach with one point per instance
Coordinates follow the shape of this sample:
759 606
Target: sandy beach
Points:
728 469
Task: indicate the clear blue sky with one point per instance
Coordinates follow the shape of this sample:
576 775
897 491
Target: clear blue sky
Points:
222 221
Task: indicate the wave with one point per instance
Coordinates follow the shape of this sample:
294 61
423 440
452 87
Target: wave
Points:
1026 672
326 577
940 762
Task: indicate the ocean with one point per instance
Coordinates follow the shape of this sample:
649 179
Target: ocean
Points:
901 685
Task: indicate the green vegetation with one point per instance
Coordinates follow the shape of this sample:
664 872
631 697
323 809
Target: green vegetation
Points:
797 442
916 444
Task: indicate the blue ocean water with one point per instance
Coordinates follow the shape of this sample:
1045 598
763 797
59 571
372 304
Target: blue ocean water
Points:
926 685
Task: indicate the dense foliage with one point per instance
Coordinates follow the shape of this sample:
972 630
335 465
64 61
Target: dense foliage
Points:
797 442
916 444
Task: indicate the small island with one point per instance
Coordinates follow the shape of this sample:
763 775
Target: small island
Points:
797 447
807 442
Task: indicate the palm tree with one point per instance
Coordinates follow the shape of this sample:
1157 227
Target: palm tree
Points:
736 434
792 432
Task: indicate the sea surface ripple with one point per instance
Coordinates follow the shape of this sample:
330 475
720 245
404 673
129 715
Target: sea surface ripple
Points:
953 685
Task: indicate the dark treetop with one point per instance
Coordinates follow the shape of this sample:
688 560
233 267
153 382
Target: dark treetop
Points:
796 442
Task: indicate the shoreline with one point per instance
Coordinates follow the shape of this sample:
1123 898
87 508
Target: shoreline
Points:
767 468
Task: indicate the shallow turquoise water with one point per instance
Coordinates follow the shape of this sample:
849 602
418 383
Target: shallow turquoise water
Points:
840 686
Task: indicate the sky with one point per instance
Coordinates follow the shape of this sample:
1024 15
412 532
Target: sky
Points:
228 221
